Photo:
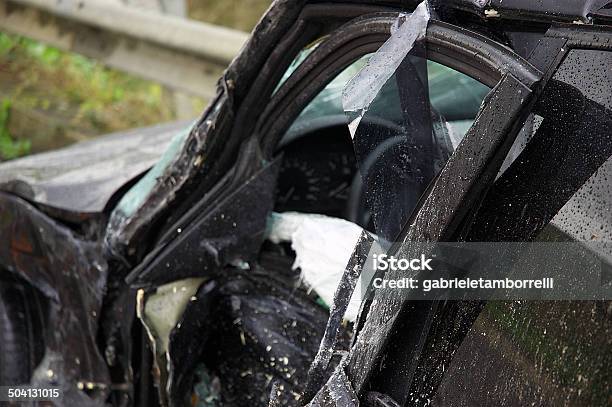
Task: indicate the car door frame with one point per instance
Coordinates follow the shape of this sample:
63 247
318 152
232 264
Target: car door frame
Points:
465 51
517 86
434 324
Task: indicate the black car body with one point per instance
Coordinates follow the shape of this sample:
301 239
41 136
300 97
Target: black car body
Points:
82 249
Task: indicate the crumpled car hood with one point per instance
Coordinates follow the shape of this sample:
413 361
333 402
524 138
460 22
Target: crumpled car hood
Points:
83 178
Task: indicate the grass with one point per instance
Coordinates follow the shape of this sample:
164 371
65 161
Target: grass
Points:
10 148
56 97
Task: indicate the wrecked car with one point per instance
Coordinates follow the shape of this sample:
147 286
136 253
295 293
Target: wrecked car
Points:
217 262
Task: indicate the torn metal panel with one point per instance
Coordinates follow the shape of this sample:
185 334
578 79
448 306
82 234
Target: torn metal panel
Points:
72 274
82 178
229 230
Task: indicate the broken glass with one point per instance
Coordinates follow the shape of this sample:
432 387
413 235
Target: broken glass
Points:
405 116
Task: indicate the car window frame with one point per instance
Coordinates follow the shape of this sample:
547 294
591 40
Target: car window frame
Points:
465 51
558 42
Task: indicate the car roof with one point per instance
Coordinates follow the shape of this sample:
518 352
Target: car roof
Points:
572 11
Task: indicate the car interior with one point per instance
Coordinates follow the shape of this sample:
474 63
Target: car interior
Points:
319 170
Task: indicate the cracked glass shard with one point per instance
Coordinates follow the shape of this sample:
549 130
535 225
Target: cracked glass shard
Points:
400 141
361 91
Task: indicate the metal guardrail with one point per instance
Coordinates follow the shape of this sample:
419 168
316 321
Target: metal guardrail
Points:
182 54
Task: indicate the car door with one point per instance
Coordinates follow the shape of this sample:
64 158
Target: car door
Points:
447 204
548 353
403 346
449 200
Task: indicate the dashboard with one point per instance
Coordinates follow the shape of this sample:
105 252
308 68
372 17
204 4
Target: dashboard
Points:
316 173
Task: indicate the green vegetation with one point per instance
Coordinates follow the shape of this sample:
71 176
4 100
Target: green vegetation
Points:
10 148
56 97
53 98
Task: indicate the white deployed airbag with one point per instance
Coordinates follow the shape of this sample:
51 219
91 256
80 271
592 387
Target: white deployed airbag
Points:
323 246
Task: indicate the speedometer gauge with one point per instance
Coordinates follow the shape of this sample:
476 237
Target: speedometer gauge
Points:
315 177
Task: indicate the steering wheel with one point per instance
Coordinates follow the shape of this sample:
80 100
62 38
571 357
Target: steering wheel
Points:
393 173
